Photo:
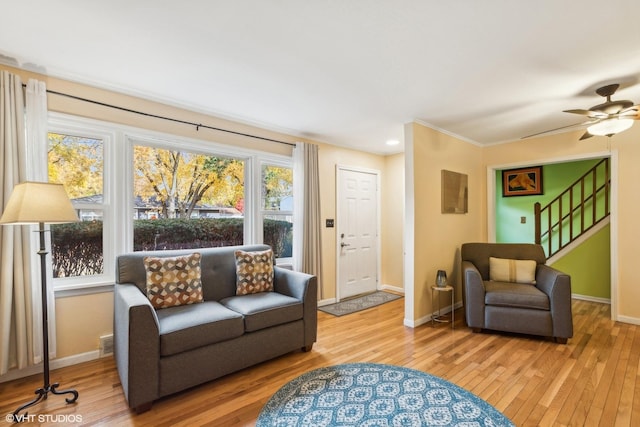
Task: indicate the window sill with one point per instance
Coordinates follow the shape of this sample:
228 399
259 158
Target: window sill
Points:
285 263
75 290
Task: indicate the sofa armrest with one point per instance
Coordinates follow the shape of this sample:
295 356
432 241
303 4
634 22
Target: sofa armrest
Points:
136 344
303 287
473 294
557 286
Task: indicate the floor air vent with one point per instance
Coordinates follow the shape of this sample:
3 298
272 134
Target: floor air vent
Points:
106 345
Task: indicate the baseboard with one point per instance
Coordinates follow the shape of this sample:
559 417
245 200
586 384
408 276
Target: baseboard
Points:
591 299
627 319
326 302
426 319
623 319
397 289
53 364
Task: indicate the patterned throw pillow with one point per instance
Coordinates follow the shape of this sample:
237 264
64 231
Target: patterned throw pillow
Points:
173 281
254 272
512 270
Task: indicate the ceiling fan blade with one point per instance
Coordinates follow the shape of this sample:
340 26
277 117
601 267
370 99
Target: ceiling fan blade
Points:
585 135
632 112
562 127
594 114
581 111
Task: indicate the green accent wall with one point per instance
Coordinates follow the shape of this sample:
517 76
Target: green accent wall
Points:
589 266
509 210
590 263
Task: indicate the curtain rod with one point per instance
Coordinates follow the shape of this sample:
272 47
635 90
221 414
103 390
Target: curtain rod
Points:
156 116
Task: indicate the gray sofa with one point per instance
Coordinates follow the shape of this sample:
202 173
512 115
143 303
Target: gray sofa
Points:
543 308
160 352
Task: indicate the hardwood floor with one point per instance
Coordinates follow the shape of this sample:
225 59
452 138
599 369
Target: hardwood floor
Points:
593 380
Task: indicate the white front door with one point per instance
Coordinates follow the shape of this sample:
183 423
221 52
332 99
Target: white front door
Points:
357 230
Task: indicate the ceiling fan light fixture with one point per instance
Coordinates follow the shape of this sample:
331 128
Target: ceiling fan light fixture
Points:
610 126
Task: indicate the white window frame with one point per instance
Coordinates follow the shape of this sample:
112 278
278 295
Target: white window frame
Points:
80 127
192 146
118 141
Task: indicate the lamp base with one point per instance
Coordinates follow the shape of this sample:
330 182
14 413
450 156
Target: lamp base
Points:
42 395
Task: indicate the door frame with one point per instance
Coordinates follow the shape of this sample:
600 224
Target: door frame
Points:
376 172
612 154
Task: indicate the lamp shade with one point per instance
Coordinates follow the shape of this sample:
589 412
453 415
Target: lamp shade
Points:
38 202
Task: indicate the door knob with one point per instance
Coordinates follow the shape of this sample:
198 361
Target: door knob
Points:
343 244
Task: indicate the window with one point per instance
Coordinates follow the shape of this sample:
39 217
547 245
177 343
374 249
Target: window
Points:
186 200
277 209
77 162
141 190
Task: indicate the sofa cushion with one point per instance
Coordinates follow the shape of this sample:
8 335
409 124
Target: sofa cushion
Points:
254 272
512 270
173 281
265 309
507 294
187 327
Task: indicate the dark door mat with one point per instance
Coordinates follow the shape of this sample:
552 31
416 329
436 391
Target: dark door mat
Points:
359 303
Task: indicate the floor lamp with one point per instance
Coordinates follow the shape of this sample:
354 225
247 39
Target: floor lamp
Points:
40 203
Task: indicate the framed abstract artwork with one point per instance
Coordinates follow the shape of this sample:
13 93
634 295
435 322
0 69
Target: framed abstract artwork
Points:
522 182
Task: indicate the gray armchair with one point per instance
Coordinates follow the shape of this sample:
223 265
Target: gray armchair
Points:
542 308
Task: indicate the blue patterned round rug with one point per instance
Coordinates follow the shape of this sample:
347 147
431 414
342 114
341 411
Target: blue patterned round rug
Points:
368 394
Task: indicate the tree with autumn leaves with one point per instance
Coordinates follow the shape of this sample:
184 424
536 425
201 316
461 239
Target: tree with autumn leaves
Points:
176 182
77 163
179 180
277 183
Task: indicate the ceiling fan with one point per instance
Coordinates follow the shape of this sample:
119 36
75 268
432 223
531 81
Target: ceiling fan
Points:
606 119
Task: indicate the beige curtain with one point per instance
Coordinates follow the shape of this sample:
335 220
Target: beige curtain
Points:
16 308
36 170
307 247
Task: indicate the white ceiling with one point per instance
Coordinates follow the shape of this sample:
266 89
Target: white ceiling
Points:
345 72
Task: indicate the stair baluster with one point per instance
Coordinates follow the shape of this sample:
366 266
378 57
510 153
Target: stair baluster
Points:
551 235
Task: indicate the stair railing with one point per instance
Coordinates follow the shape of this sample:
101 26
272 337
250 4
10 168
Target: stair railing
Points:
575 211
